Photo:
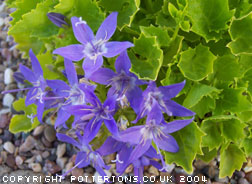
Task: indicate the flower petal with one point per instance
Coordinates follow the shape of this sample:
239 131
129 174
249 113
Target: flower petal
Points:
167 143
90 65
174 109
62 117
171 90
92 128
110 146
30 96
123 63
175 125
78 110
102 76
134 97
115 48
139 150
28 74
71 72
59 87
151 152
81 159
82 32
68 139
155 114
40 111
111 126
71 52
108 27
131 135
110 102
35 64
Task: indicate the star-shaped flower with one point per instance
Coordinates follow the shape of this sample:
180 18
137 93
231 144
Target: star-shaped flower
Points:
96 113
123 83
86 155
156 130
37 92
74 93
92 48
162 97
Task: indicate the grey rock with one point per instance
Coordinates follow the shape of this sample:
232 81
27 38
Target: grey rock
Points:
243 181
50 133
8 99
9 147
28 144
38 130
36 167
19 160
61 161
8 76
61 149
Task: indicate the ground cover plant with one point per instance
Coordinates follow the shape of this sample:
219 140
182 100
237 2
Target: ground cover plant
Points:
160 79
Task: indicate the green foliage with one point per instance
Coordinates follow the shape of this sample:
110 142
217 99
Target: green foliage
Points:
197 63
189 141
151 57
208 43
232 159
240 32
21 123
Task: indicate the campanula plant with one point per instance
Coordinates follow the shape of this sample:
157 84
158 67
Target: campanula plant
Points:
93 47
161 81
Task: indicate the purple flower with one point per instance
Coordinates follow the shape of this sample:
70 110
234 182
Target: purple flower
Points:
162 95
156 130
123 83
37 92
74 93
123 150
86 155
96 113
93 47
57 18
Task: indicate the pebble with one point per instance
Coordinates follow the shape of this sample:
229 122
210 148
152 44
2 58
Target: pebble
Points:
50 133
1 21
10 161
30 160
249 177
36 167
153 171
243 181
39 145
46 142
9 147
89 178
129 169
38 130
28 144
69 166
39 158
8 99
52 167
4 155
45 154
77 172
8 76
97 177
61 149
19 160
247 169
108 158
61 161
199 164
7 136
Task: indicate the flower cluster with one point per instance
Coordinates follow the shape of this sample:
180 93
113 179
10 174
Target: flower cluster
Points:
132 144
